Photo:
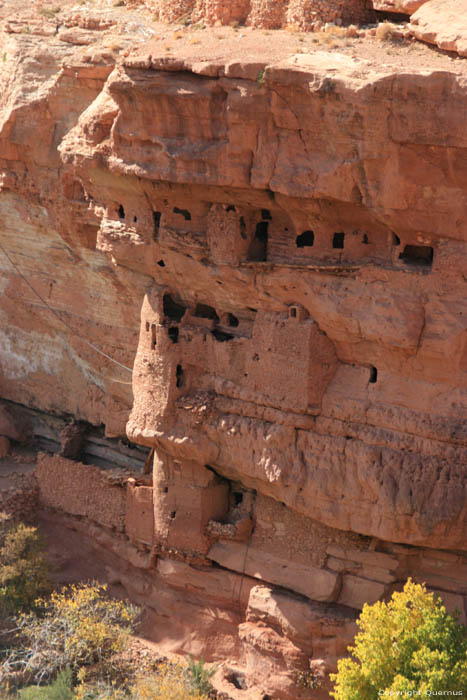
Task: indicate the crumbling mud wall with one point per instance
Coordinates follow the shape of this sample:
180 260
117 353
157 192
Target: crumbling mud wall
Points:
267 14
276 251
235 573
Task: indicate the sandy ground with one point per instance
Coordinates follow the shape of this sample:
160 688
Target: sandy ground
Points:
135 29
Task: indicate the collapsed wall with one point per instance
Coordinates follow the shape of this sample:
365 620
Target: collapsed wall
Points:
278 251
267 14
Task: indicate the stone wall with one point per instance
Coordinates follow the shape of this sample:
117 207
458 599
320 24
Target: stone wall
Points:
267 14
79 489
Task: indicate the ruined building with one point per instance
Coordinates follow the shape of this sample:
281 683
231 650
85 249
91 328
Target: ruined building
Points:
255 270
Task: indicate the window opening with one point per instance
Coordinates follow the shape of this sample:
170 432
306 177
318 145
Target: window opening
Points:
205 311
259 244
338 240
173 334
238 497
305 239
156 220
179 376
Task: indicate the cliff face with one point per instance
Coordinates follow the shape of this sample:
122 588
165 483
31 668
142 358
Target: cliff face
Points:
287 235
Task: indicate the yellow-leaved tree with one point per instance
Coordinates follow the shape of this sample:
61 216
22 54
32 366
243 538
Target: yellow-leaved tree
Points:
407 647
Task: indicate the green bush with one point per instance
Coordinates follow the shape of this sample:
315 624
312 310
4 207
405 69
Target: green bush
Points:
23 569
199 675
407 647
60 689
77 627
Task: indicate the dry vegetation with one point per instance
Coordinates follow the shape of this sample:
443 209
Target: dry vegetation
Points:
74 644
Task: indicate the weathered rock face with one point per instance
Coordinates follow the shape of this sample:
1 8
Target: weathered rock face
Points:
267 14
289 238
336 263
443 24
400 6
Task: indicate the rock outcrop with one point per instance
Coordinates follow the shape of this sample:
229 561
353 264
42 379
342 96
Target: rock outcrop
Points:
273 250
443 24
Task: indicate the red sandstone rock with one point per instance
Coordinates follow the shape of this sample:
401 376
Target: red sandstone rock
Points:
406 7
357 591
443 23
316 584
291 227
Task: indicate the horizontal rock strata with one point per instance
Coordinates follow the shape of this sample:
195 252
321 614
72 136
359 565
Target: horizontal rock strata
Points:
263 260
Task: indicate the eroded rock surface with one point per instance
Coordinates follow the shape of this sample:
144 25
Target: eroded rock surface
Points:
273 250
443 24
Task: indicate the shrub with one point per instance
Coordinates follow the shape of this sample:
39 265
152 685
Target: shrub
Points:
200 676
73 628
23 569
386 31
60 689
170 682
409 646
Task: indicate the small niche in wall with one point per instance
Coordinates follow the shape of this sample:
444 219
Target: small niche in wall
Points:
121 211
305 239
183 212
266 215
232 321
338 240
161 263
417 255
395 240
172 310
365 239
259 245
373 375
